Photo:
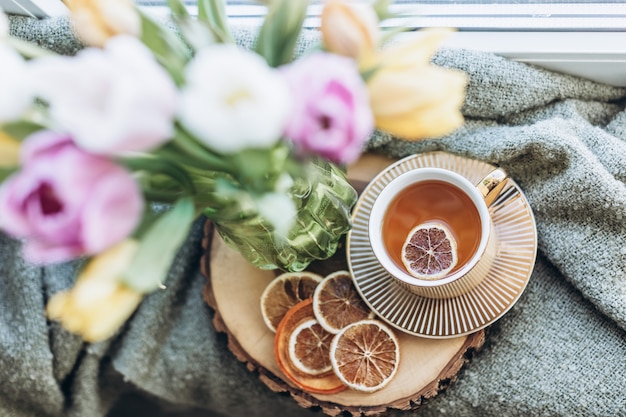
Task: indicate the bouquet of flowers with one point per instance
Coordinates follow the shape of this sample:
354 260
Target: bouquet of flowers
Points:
110 155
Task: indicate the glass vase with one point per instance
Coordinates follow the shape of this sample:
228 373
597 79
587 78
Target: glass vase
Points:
323 199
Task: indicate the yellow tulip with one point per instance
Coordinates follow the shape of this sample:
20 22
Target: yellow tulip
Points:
96 21
98 304
413 99
9 151
349 29
416 52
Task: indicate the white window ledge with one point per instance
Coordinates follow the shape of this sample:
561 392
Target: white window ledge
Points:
582 39
599 56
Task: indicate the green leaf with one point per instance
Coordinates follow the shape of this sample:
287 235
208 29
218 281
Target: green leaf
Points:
213 13
169 50
196 33
189 146
158 247
160 165
258 170
230 202
280 31
368 73
6 173
381 7
21 129
178 9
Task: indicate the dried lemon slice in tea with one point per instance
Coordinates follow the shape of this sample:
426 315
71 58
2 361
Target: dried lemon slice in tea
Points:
296 320
309 347
365 355
285 291
429 251
337 303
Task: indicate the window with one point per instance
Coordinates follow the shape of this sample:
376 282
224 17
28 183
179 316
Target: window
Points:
34 8
581 37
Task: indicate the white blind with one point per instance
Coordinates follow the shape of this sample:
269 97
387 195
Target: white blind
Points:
469 15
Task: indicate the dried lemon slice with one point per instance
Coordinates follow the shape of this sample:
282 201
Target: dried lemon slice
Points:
365 355
325 383
429 251
337 303
285 291
309 347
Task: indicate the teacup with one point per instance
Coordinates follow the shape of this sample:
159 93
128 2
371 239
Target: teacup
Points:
442 197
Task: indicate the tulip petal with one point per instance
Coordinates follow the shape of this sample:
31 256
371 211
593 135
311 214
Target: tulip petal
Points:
117 198
430 123
108 316
66 202
98 304
248 103
416 52
411 98
111 101
96 21
349 29
15 84
394 92
331 115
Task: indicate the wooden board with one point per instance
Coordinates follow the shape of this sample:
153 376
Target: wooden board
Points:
234 288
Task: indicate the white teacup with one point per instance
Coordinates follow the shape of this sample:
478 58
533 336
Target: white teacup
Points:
464 276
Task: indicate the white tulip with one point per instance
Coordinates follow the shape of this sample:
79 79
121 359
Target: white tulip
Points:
233 100
15 85
111 100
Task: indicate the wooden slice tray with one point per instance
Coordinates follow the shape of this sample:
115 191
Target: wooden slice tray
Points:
234 288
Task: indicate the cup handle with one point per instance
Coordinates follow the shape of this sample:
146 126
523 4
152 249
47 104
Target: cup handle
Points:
492 184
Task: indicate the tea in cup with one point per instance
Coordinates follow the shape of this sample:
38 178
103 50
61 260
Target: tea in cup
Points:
431 230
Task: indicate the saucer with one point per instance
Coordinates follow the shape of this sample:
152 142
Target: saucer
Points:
446 318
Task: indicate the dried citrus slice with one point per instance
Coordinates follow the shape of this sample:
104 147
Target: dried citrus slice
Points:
429 251
337 303
326 383
285 291
365 355
309 347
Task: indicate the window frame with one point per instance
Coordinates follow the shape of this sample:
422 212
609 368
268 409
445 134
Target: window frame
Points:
583 39
34 8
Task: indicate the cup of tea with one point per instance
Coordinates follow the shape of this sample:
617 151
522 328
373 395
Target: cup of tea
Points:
431 230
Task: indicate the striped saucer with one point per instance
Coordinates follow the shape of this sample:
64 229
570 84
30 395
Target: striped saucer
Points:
470 312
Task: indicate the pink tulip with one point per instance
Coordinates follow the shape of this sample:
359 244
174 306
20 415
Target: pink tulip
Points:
331 115
67 203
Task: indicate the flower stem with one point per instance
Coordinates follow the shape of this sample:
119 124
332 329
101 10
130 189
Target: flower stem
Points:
157 165
191 148
213 13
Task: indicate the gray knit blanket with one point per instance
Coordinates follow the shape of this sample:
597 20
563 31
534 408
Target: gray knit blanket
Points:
560 351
